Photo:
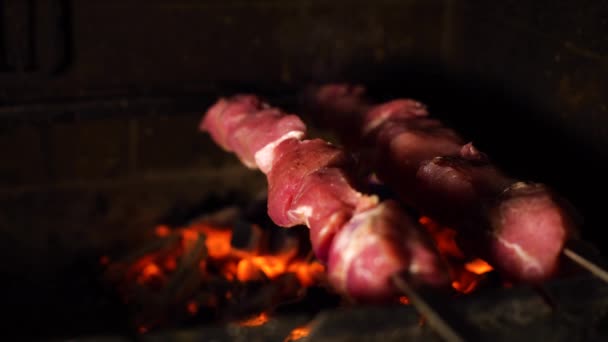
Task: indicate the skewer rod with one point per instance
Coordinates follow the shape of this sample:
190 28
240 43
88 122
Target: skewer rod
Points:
435 321
586 264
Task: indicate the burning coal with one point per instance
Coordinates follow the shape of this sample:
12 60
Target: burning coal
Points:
196 273
466 273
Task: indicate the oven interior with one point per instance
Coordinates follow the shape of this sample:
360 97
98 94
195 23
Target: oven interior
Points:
100 104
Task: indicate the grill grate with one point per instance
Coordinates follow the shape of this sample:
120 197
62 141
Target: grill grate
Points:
572 309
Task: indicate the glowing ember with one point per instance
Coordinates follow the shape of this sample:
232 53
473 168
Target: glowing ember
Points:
218 241
162 231
170 264
247 270
104 260
197 268
465 275
444 237
192 307
255 321
252 266
229 270
308 273
271 266
189 236
464 288
297 333
151 270
478 266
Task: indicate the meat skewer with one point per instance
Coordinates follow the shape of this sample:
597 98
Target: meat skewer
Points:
363 241
519 227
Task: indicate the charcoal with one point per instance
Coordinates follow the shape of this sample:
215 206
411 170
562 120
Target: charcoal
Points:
281 239
246 236
370 323
186 269
151 246
583 302
314 300
577 311
224 217
574 308
256 297
505 315
565 310
276 329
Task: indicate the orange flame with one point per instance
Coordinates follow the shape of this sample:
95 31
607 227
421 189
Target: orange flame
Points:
308 273
192 307
465 275
297 333
162 231
219 259
445 237
156 269
217 241
478 267
272 266
248 270
150 275
189 237
465 287
255 321
151 270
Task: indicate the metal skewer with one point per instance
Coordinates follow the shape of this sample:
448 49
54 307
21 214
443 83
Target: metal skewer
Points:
586 264
441 327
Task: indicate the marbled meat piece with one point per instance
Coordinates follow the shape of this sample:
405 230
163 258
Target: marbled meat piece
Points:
311 182
521 231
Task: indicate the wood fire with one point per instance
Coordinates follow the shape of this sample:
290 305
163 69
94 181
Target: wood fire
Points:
298 333
466 274
196 269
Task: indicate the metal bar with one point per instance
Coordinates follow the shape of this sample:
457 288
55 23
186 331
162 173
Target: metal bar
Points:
586 264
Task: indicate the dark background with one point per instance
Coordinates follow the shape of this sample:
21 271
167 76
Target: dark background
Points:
100 101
